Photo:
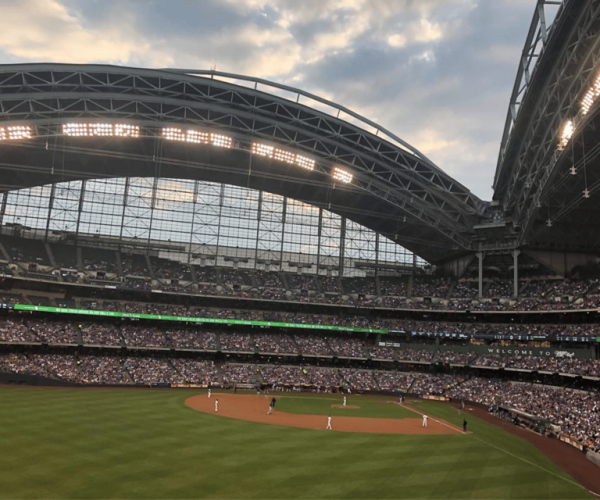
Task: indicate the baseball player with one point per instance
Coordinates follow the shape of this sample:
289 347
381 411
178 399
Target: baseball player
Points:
216 405
425 417
344 400
209 392
271 405
328 422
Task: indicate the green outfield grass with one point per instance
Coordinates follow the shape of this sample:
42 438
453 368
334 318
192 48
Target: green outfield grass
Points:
74 443
368 406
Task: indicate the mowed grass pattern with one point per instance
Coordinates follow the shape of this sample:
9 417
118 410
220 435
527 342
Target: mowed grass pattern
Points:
76 443
368 406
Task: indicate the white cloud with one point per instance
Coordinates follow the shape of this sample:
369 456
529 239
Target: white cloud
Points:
43 30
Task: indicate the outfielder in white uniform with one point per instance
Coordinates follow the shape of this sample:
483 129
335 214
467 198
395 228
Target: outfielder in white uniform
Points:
216 405
328 422
344 400
425 417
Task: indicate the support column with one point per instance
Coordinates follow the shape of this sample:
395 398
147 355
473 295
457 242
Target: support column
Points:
516 273
480 257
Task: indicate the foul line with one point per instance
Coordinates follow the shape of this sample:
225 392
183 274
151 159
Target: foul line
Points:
450 426
535 465
513 455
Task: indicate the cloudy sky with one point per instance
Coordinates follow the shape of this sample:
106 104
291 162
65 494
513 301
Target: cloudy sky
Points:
437 73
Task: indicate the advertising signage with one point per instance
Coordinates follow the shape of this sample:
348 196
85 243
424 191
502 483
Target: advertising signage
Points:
499 336
188 319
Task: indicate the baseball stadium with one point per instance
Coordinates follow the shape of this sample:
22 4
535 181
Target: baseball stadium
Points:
217 286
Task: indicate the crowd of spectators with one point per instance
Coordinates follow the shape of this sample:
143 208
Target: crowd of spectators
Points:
275 343
361 286
237 342
313 345
330 284
192 339
348 347
142 336
301 282
396 382
575 413
239 373
429 287
395 287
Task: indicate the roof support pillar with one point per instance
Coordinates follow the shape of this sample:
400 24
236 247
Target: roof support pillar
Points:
516 273
480 257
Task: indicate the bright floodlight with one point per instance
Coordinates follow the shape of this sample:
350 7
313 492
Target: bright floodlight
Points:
221 141
196 137
342 175
125 130
590 96
304 162
78 129
588 101
567 133
173 134
283 155
15 133
262 149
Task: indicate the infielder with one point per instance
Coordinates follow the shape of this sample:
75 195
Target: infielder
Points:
209 392
216 405
328 422
344 400
425 417
271 405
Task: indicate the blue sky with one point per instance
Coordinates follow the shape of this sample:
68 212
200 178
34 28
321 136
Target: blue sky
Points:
437 73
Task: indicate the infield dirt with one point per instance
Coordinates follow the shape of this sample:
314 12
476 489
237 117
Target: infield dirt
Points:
255 408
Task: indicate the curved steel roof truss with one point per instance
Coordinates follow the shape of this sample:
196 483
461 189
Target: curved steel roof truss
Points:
47 95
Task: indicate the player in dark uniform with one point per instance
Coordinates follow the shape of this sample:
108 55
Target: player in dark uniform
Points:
464 425
272 405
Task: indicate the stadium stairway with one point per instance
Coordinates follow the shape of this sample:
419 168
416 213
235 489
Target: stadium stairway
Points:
412 382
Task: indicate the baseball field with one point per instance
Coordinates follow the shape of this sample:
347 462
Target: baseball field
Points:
122 443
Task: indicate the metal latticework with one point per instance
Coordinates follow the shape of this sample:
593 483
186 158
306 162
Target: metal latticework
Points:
203 127
200 222
548 166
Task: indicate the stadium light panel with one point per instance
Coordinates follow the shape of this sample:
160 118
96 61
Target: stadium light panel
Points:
589 98
196 137
126 130
78 129
15 133
304 162
567 133
283 155
221 141
262 149
342 175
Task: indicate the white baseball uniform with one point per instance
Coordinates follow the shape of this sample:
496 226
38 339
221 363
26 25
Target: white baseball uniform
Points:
216 405
328 423
425 417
